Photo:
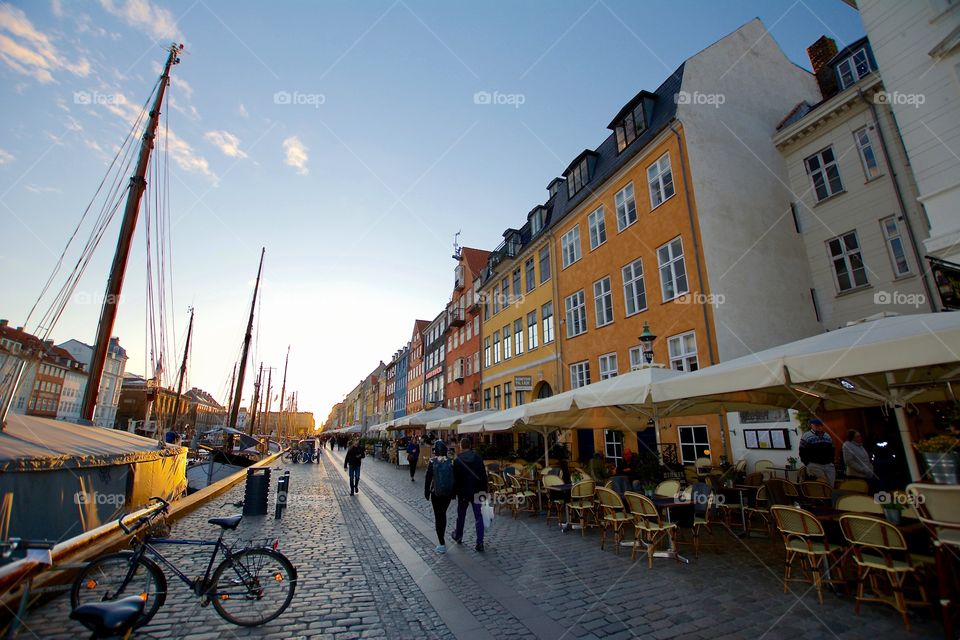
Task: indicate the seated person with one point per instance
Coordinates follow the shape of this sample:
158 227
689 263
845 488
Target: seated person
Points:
598 469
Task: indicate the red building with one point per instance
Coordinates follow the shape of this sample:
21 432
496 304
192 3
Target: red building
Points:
415 368
462 390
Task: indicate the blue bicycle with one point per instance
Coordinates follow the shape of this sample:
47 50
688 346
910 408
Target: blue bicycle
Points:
249 587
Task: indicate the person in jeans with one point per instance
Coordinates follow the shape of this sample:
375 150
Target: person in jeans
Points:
352 462
438 488
413 455
817 452
470 480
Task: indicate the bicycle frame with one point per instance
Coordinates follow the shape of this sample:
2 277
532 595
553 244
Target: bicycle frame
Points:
147 547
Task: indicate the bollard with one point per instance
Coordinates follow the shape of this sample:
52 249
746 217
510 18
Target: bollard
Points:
256 492
283 490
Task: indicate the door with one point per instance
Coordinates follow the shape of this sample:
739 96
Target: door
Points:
585 445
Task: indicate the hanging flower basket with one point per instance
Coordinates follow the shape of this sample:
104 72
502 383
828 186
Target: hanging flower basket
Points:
940 454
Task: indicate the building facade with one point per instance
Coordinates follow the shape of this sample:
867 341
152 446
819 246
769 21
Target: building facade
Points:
401 377
463 388
415 368
114 368
434 362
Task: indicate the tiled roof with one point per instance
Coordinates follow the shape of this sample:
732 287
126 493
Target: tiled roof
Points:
802 109
475 259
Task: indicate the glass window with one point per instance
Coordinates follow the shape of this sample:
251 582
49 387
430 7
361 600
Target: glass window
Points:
868 159
683 351
532 330
603 301
848 268
608 366
530 274
496 347
578 177
507 395
576 314
694 441
486 351
626 207
518 335
598 228
673 273
636 358
825 174
570 246
660 179
546 312
496 300
486 398
516 284
496 397
544 264
612 444
507 343
853 68
898 256
634 291
505 287
579 374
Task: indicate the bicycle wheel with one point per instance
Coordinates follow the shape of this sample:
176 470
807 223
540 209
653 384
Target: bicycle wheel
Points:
105 579
253 587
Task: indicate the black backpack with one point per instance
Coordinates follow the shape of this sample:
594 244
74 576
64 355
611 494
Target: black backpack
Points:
442 477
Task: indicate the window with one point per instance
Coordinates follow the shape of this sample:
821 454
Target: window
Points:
848 268
505 287
486 308
579 375
507 395
660 179
576 314
496 397
578 177
694 441
496 300
612 444
516 284
626 207
853 68
630 127
603 301
823 171
634 292
486 398
598 228
496 347
608 366
532 330
507 343
673 274
895 246
636 358
486 352
518 335
531 275
570 246
868 159
476 358
544 264
546 312
683 351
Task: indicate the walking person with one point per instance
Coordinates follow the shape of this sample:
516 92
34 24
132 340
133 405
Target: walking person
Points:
470 480
438 488
351 462
413 456
817 452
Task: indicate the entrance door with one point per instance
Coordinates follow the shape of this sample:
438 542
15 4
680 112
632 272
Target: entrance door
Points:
647 440
585 444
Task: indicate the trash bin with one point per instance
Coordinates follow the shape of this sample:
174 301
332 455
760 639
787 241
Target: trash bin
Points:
255 492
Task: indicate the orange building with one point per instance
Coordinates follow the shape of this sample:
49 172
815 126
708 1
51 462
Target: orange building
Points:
415 368
463 333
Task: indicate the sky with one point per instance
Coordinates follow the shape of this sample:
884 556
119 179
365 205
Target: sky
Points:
350 139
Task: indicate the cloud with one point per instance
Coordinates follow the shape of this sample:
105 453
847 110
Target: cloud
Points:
243 111
30 52
228 143
140 14
57 8
32 188
296 155
6 157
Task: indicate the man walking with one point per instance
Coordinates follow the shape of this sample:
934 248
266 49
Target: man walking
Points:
817 452
470 479
352 462
413 456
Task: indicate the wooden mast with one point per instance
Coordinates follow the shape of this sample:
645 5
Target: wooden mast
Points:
183 374
138 183
235 409
283 398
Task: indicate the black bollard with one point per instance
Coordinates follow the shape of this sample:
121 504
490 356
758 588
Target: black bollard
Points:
256 492
283 490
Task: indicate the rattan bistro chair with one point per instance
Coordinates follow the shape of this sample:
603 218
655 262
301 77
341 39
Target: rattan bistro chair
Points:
857 503
880 551
938 508
555 501
803 536
816 492
614 516
648 528
667 489
582 504
523 498
854 485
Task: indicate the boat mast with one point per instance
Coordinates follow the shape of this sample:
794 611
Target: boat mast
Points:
255 405
138 184
183 373
283 397
233 381
235 409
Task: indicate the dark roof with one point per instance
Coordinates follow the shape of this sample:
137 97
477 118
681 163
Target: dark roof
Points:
848 50
629 107
579 159
802 109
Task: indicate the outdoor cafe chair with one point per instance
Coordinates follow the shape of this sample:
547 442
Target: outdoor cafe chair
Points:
555 501
804 536
880 551
704 466
523 498
816 492
753 479
760 509
858 503
790 489
938 508
764 467
667 489
704 508
502 494
648 528
614 516
853 485
581 503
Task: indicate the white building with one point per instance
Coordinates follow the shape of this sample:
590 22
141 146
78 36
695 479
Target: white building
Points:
113 370
917 47
71 396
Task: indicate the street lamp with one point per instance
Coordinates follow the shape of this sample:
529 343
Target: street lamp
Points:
646 343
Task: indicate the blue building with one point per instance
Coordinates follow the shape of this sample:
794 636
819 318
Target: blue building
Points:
400 388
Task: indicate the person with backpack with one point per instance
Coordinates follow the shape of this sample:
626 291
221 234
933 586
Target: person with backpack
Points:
470 480
438 488
355 455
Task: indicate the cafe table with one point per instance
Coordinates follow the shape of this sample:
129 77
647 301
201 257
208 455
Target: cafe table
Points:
741 491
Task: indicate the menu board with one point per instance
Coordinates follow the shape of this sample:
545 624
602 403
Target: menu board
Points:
766 438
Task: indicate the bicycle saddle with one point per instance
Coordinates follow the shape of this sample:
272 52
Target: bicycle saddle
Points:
228 522
109 618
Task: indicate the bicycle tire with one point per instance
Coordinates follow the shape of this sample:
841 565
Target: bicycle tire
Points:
111 569
243 578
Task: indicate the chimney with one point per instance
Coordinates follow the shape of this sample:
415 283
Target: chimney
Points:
3 322
820 53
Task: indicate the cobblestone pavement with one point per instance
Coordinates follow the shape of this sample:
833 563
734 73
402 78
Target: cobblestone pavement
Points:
367 568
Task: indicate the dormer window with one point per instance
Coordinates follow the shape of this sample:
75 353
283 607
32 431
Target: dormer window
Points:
579 172
853 69
537 218
630 127
554 186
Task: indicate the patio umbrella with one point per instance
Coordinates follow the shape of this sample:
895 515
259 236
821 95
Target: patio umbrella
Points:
421 418
452 422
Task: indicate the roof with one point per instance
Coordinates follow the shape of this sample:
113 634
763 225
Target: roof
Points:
848 50
802 109
475 259
629 107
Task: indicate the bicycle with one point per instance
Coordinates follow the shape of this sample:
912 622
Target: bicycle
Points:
249 587
294 455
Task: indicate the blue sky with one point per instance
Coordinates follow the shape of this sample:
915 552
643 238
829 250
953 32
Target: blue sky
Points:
343 136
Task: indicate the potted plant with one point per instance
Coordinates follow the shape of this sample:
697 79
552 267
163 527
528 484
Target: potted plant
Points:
940 454
648 489
893 511
791 463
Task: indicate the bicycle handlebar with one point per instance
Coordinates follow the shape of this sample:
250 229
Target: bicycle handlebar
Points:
160 506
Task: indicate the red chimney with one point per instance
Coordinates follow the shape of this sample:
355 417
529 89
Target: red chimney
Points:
820 53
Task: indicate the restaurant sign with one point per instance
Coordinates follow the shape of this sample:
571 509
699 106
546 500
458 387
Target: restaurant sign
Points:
947 276
523 383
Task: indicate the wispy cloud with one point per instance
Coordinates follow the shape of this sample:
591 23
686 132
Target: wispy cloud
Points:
296 155
141 14
31 52
243 111
6 157
228 143
32 188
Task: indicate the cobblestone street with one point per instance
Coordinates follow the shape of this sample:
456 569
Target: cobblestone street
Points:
367 568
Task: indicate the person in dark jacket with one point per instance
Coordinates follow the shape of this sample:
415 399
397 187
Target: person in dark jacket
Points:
470 480
439 496
817 452
413 456
351 461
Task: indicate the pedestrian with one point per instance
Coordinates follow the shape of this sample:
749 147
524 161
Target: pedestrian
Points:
817 452
413 455
857 460
316 449
352 461
438 488
470 481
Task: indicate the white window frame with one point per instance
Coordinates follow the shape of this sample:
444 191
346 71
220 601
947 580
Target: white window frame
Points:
846 257
893 239
698 445
570 246
867 153
660 181
575 309
823 172
548 323
486 352
597 228
608 366
683 352
669 268
532 330
636 358
507 343
496 347
518 336
626 203
579 374
603 301
851 67
634 288
612 444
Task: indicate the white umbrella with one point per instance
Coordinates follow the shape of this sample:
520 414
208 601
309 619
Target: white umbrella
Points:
421 418
452 422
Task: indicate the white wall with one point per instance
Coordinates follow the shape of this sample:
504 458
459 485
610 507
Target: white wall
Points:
71 396
753 256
